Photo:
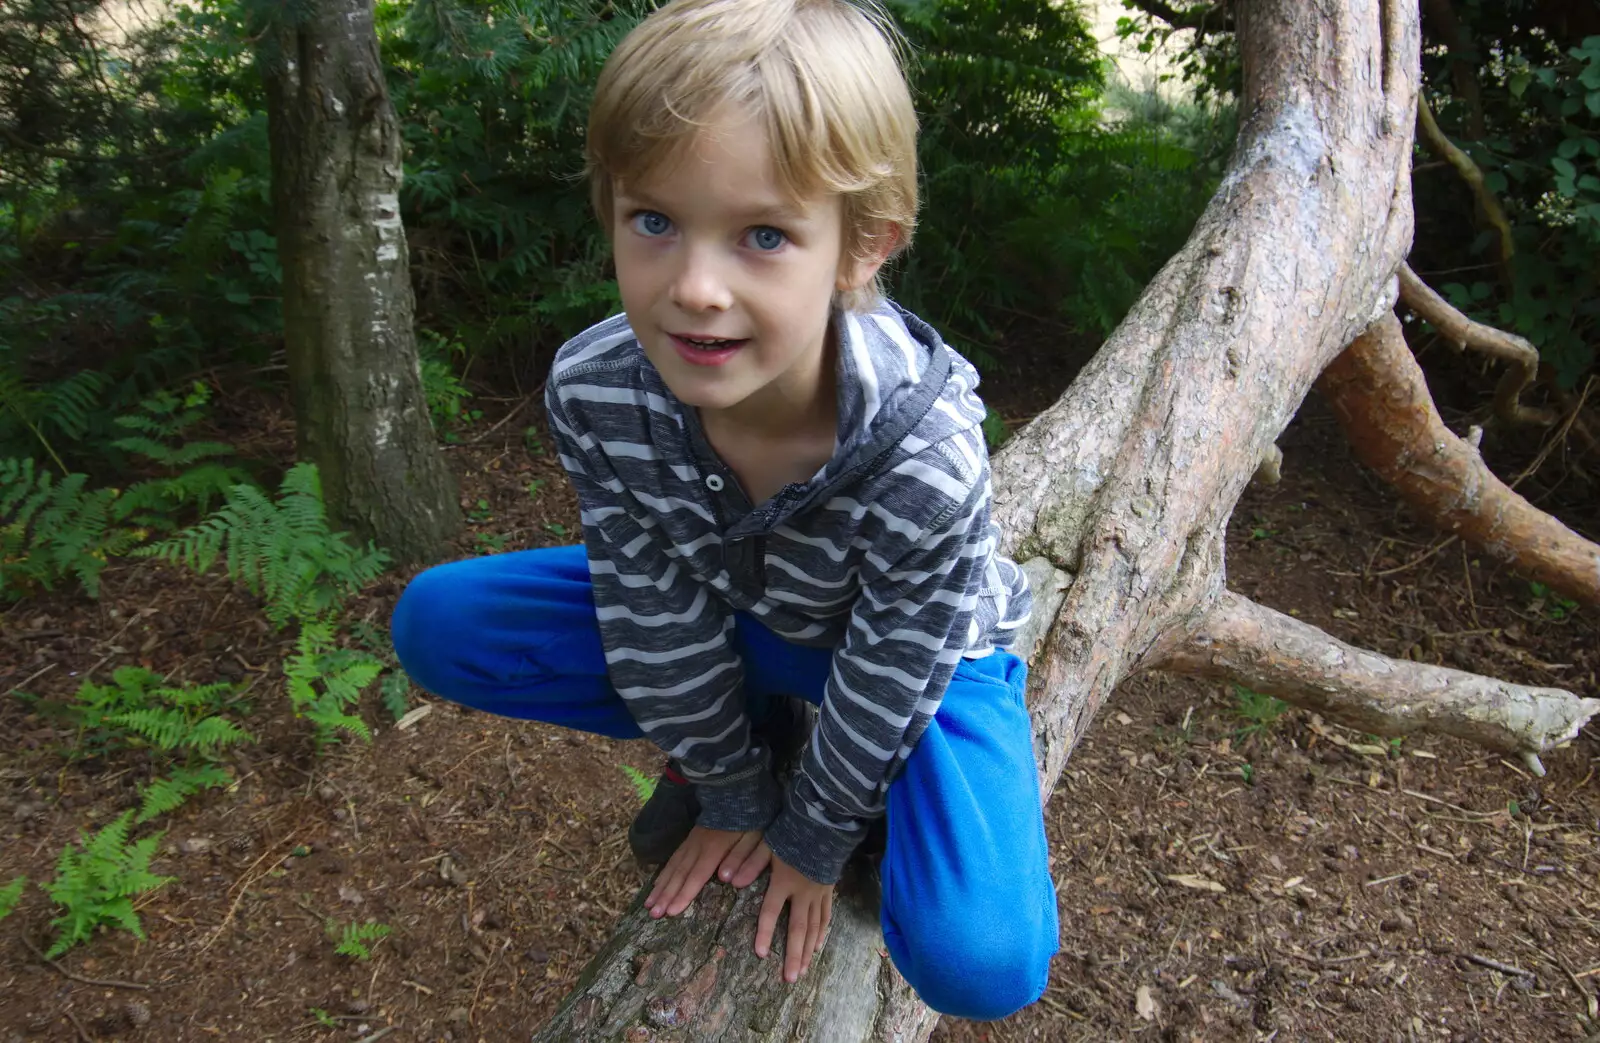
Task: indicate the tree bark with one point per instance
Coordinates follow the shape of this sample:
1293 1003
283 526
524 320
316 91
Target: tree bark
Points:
1116 499
360 412
1378 395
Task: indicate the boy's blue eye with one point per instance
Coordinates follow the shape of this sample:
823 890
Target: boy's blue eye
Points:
767 238
648 222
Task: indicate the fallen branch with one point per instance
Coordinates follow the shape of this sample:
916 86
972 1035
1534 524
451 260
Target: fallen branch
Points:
104 983
1519 354
1279 655
1382 403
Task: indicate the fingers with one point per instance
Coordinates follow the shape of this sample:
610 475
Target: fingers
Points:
700 870
797 953
688 870
733 865
667 880
771 907
755 862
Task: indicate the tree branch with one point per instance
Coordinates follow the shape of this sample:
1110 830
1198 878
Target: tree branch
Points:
1270 652
1446 150
1381 400
1202 17
1520 356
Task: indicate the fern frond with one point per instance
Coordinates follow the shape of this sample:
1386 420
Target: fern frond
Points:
95 881
10 895
164 794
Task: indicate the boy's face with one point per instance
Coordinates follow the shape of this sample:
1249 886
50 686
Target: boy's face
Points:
728 281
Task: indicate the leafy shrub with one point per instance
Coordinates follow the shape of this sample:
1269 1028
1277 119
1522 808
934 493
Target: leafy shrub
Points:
282 551
52 529
96 882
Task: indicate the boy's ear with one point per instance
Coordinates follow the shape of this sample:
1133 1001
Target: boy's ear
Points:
857 271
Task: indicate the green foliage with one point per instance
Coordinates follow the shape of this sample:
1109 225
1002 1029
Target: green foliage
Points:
96 882
282 551
643 785
443 389
493 96
183 727
353 939
1540 154
52 529
1260 712
10 895
325 680
395 689
195 477
1551 604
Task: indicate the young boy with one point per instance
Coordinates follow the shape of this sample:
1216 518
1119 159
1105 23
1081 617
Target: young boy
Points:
784 491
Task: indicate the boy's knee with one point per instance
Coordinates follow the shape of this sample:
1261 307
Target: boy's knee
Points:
426 625
975 971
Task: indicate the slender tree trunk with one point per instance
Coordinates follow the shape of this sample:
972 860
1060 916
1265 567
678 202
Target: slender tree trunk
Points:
360 412
1117 499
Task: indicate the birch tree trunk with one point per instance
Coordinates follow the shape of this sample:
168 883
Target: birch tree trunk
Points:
1117 498
360 412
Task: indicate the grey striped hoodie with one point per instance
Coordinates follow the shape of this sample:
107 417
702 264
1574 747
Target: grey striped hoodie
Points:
887 556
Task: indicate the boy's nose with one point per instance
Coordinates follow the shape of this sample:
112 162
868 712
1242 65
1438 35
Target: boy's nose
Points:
699 286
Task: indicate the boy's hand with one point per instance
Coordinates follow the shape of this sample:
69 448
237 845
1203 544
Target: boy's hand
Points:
810 912
703 852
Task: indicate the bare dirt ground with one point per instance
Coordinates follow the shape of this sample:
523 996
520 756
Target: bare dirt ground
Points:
1224 873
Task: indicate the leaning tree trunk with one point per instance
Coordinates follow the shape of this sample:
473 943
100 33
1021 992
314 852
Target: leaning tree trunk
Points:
1117 499
360 412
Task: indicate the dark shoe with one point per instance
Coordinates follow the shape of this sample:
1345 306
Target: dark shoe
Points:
665 820
786 731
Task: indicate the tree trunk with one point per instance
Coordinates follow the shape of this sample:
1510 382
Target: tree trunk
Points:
360 412
1117 498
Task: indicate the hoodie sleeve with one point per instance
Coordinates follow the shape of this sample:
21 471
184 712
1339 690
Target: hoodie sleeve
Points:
666 643
908 630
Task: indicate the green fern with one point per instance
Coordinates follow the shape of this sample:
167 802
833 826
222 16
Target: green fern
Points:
643 785
96 882
166 794
325 680
282 551
10 895
396 692
52 529
183 727
353 939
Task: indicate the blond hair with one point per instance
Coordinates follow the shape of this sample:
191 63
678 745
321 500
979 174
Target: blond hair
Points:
824 77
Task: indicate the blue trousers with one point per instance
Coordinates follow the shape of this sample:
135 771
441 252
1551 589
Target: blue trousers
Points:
969 907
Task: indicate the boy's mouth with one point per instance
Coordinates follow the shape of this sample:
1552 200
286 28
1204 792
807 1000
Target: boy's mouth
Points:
706 351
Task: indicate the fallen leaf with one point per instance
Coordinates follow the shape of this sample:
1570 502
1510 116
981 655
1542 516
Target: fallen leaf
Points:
1199 883
1144 1004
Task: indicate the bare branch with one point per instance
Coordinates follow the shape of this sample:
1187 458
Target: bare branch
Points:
1382 403
1270 652
1446 150
1202 17
1518 354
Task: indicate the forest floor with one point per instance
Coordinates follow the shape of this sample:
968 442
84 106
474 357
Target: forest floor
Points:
1225 871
